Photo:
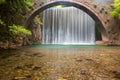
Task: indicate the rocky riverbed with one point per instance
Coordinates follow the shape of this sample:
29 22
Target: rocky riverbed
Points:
60 63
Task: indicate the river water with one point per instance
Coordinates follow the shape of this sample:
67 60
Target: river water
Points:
60 62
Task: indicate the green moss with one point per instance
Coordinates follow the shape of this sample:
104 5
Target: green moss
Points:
95 6
38 21
101 11
106 12
108 20
41 3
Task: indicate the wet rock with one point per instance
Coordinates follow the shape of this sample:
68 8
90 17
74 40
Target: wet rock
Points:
35 78
83 72
40 55
17 55
28 65
7 56
18 67
14 79
62 79
28 76
79 60
90 60
35 54
36 68
17 78
117 74
2 64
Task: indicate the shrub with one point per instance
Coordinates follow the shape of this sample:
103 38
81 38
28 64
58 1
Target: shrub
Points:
116 9
17 29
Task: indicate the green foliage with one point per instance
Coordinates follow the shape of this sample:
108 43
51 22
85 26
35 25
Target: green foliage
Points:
10 9
2 1
1 22
38 21
108 20
60 6
12 12
95 6
106 12
17 29
116 10
42 2
102 10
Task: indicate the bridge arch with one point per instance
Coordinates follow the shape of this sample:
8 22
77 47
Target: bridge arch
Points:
91 12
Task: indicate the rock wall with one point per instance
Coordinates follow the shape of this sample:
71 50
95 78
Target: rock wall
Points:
35 38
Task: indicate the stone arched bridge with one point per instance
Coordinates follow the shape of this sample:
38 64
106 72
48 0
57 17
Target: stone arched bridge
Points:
99 10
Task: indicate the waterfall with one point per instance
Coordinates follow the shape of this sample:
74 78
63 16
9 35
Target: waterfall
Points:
67 25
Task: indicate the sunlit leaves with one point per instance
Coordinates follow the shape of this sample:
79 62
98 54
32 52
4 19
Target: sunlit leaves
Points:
10 8
17 29
20 5
60 6
38 21
12 12
116 11
1 22
2 1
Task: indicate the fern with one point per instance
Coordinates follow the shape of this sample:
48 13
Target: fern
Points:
17 29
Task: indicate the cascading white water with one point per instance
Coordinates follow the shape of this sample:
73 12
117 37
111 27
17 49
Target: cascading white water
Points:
67 25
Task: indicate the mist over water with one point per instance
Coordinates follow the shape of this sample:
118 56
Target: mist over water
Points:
67 25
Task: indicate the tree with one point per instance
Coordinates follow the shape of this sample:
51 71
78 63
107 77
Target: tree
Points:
2 1
12 14
10 9
116 9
